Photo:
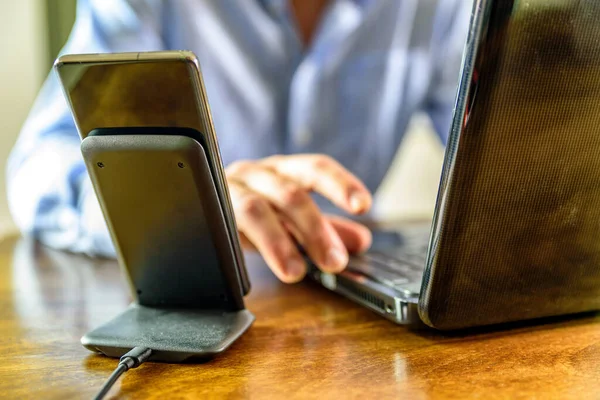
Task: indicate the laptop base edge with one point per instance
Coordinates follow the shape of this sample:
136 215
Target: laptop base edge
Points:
400 307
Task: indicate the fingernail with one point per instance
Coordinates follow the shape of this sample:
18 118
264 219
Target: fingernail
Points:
296 268
358 202
337 258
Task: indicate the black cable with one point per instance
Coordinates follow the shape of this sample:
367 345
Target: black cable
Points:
120 370
132 359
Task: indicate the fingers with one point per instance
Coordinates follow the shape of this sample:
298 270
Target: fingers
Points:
245 242
326 176
273 207
356 237
260 226
298 212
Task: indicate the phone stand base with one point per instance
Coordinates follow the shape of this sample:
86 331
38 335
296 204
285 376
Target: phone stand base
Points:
173 335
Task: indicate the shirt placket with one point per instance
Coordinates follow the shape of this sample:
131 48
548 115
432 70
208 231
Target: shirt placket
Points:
327 48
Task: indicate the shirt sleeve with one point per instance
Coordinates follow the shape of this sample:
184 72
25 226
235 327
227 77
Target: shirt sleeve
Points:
450 36
49 191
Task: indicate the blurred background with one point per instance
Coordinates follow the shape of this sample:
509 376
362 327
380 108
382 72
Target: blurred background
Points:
32 33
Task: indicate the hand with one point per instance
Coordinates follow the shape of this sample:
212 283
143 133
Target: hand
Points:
272 205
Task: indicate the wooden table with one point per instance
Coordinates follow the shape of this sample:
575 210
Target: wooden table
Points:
305 343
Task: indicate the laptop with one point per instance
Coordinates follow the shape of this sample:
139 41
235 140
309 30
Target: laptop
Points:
516 228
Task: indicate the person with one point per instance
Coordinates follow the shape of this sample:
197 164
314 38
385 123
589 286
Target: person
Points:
306 95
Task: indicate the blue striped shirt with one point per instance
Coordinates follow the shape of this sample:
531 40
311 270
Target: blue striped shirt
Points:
350 94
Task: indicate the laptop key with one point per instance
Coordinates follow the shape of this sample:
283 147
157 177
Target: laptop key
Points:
377 271
399 264
398 270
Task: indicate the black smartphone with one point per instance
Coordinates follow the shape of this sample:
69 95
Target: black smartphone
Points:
172 215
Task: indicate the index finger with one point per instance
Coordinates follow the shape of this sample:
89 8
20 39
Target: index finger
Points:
325 176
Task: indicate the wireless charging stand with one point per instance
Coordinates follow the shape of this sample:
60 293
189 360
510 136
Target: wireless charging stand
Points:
173 335
165 214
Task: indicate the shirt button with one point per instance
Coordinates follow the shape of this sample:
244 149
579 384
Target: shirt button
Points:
303 137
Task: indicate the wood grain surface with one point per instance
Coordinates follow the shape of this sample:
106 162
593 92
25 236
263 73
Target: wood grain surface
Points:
305 343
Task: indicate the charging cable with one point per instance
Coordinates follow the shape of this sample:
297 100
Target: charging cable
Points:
132 359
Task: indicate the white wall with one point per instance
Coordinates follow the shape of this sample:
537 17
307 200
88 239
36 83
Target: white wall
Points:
410 188
23 65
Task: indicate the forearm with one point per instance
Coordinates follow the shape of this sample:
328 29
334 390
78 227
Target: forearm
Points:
49 191
51 198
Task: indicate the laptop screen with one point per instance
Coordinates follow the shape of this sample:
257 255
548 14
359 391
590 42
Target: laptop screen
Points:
518 224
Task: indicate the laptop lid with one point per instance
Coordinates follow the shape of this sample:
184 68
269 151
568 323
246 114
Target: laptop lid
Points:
516 234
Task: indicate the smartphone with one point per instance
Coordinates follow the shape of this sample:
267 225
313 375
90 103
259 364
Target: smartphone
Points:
159 96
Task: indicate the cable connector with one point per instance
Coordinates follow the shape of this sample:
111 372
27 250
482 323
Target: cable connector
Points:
136 357
132 359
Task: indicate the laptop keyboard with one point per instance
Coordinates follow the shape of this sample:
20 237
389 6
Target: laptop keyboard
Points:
394 265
